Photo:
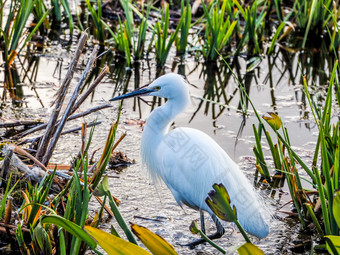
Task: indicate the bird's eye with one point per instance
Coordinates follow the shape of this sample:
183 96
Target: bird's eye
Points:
157 88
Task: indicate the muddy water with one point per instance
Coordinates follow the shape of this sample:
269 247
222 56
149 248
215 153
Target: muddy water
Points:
154 207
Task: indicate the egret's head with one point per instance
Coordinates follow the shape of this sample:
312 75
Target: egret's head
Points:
168 86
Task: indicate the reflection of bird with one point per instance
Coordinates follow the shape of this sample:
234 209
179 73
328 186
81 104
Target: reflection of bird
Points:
190 162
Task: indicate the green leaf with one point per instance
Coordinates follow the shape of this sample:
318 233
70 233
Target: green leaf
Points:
155 243
336 207
274 120
253 63
219 203
62 245
249 249
194 227
276 35
41 237
120 220
7 193
333 244
114 245
71 227
102 188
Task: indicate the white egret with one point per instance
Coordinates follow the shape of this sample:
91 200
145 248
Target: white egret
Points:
190 162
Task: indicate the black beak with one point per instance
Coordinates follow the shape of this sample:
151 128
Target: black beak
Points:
138 92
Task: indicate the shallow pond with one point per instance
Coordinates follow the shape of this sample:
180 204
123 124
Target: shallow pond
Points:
271 88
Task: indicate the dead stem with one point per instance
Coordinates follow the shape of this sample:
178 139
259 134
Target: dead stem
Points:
70 105
60 99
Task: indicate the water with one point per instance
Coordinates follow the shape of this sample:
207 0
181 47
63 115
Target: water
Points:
154 207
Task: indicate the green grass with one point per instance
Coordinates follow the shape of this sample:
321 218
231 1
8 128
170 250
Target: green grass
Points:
219 30
181 40
163 44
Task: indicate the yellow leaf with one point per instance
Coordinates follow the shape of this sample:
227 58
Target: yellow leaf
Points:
249 249
155 243
274 120
37 216
11 57
28 209
114 245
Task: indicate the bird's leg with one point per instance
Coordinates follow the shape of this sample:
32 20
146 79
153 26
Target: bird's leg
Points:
220 231
202 221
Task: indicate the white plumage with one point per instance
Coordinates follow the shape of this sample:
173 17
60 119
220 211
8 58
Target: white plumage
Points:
189 161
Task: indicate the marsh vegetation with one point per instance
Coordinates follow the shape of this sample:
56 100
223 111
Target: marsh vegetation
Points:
242 59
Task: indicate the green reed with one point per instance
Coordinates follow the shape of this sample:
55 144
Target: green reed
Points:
181 40
324 176
96 16
57 13
14 38
163 44
219 29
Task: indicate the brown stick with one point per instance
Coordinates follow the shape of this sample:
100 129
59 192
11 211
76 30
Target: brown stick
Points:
107 209
90 89
13 227
70 105
118 142
75 107
4 230
42 126
20 123
51 124
22 152
63 133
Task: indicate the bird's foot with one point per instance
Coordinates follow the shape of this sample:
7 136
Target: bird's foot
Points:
193 244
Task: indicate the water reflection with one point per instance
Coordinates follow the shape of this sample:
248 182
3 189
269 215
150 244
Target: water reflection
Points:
221 91
220 85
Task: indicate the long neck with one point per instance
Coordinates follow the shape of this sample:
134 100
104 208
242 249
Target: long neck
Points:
157 126
160 119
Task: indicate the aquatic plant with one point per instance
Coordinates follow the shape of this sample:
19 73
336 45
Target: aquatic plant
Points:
57 13
181 40
42 211
139 43
324 176
123 41
96 16
219 30
254 28
129 39
313 16
11 35
162 43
